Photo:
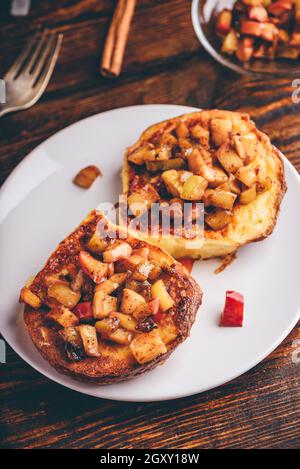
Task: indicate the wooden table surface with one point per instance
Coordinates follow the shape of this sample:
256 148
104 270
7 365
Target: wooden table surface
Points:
164 64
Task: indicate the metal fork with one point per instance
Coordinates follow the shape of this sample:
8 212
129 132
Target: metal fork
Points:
29 76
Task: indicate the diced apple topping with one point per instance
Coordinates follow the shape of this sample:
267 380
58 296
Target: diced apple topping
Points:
142 154
246 175
181 130
218 219
110 285
117 251
26 296
147 309
125 320
245 146
73 343
131 300
103 305
194 187
64 294
220 131
107 326
142 199
63 316
219 198
121 336
87 176
89 338
248 195
95 269
230 43
97 244
77 281
228 158
158 290
223 22
147 346
264 183
201 134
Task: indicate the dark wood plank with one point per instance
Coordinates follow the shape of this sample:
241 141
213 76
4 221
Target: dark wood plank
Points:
163 64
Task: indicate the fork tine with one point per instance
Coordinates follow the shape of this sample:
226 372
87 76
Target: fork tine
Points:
45 56
44 78
32 62
16 66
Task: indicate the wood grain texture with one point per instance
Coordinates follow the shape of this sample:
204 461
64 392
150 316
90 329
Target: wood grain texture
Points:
163 64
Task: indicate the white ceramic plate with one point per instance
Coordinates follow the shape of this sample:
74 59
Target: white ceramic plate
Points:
39 206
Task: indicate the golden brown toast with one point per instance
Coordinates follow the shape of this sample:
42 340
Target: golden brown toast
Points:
107 306
216 157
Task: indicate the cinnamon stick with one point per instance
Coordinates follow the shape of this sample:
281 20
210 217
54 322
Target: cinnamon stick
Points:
116 39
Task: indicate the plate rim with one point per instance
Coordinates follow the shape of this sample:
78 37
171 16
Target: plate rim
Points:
60 378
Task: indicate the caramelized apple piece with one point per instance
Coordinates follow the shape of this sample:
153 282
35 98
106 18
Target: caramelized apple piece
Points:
228 158
121 336
87 176
246 146
103 305
147 346
131 301
295 40
97 244
63 316
258 13
107 326
266 31
174 163
118 250
64 294
77 281
297 10
126 321
142 271
234 185
218 219
219 198
246 175
142 154
181 130
142 199
89 338
230 42
147 309
245 49
221 131
201 134
158 290
248 195
264 183
220 177
26 296
280 7
199 167
129 264
110 285
223 22
95 269
194 187
73 343
172 182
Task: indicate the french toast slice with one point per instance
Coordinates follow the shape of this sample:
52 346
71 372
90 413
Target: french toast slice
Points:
107 307
215 157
